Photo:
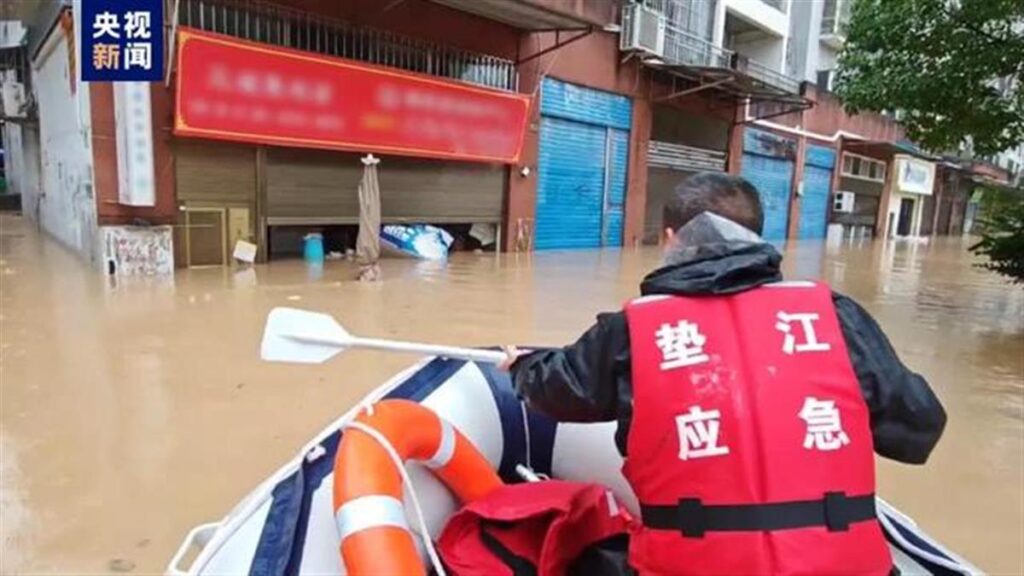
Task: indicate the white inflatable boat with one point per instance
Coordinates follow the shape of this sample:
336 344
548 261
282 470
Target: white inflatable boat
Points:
286 525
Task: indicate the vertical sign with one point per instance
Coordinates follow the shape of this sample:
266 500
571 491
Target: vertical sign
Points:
122 40
133 121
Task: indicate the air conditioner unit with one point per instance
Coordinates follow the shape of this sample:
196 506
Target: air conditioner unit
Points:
843 202
643 30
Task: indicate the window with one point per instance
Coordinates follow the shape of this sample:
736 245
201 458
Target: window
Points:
863 167
825 80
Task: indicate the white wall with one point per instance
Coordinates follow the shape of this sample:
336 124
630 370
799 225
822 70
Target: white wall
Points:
67 207
767 50
828 58
760 15
21 164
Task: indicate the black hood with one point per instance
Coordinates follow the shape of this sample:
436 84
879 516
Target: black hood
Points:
717 268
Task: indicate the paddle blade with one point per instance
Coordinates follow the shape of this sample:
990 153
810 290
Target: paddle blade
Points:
293 335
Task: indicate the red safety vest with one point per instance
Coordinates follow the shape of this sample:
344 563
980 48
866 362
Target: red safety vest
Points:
750 448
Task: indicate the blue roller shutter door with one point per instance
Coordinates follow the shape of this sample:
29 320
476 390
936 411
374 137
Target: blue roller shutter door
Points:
768 165
581 170
818 165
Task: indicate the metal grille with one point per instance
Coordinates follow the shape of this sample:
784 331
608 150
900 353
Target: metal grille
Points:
771 77
682 47
692 17
273 24
682 157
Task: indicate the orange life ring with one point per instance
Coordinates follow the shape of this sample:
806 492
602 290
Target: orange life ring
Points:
375 537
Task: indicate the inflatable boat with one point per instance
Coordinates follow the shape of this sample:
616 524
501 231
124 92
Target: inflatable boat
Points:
286 526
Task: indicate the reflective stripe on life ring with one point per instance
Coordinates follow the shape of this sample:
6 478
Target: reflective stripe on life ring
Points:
375 537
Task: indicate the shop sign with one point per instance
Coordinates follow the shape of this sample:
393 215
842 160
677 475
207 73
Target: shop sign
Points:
232 89
914 176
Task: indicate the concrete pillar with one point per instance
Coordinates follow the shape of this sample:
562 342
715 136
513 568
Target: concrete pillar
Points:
793 228
735 157
939 189
636 186
521 201
882 219
837 172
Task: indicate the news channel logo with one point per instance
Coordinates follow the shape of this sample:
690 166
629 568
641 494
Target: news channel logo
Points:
122 40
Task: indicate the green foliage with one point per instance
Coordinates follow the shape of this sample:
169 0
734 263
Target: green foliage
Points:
939 62
1002 238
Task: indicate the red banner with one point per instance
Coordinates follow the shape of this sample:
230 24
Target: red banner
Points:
232 89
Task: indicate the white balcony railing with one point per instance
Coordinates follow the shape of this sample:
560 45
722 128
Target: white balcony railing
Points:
767 75
684 48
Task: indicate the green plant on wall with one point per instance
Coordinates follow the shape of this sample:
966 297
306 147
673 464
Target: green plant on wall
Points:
1002 232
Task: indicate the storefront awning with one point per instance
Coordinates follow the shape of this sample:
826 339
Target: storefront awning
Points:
886 149
523 14
770 94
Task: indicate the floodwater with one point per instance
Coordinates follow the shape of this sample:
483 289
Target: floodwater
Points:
132 411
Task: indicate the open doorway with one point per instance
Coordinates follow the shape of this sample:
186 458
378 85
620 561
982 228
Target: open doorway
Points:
906 217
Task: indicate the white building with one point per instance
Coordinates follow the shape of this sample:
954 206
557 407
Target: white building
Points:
817 38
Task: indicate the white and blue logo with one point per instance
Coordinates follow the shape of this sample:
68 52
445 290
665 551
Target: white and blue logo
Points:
122 40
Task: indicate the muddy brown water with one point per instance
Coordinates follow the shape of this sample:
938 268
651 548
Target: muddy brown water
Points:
134 410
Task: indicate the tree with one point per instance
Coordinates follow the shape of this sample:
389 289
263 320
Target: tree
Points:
1002 237
952 68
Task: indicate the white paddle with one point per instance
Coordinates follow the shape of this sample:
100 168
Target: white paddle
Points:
293 335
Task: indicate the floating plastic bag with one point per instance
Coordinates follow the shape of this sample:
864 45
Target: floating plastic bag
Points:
416 241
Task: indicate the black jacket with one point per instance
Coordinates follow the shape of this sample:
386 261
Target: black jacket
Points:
589 381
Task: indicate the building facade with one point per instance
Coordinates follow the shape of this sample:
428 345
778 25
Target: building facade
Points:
624 99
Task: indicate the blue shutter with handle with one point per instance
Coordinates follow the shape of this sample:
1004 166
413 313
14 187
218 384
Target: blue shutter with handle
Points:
818 165
581 168
767 164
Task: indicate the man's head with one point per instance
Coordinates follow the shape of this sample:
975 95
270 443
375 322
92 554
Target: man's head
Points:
728 196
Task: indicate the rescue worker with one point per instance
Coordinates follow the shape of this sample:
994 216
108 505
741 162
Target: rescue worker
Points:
747 407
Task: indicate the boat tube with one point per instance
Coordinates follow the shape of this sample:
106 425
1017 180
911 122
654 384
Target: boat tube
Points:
286 526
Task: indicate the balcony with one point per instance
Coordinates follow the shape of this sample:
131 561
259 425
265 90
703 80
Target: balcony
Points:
834 19
684 48
268 23
765 74
673 38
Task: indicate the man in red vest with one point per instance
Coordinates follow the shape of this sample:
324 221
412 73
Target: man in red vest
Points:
748 408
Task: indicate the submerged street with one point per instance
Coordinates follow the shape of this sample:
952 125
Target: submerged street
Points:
134 410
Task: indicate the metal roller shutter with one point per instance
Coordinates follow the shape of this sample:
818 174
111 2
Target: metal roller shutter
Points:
570 184
818 165
312 187
414 190
668 164
216 187
214 173
317 187
582 167
768 165
683 157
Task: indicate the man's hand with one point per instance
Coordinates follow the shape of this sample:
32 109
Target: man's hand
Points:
511 355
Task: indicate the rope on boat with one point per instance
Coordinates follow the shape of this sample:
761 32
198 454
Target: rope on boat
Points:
400 465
